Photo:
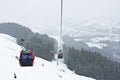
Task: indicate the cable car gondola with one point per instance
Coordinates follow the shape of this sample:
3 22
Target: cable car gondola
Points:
60 54
26 58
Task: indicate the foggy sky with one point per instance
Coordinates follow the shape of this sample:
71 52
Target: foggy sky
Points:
34 13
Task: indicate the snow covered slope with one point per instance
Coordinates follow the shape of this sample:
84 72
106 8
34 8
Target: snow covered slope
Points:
42 69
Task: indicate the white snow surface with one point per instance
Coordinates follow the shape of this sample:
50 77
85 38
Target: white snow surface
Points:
98 45
95 42
42 69
109 38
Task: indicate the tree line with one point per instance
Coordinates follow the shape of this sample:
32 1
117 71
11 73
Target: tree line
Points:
42 45
91 64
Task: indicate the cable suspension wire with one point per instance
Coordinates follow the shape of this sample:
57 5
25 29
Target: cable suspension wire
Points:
61 16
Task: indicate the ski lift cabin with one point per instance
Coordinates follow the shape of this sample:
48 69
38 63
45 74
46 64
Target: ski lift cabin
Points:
60 54
26 58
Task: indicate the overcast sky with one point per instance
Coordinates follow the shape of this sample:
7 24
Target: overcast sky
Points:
34 13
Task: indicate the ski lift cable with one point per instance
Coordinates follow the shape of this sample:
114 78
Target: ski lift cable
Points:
61 24
60 42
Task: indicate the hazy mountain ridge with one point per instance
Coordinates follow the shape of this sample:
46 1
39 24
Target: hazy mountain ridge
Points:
93 27
100 35
16 30
109 48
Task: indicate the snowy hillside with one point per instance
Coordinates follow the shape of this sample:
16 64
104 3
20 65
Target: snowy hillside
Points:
42 69
99 41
